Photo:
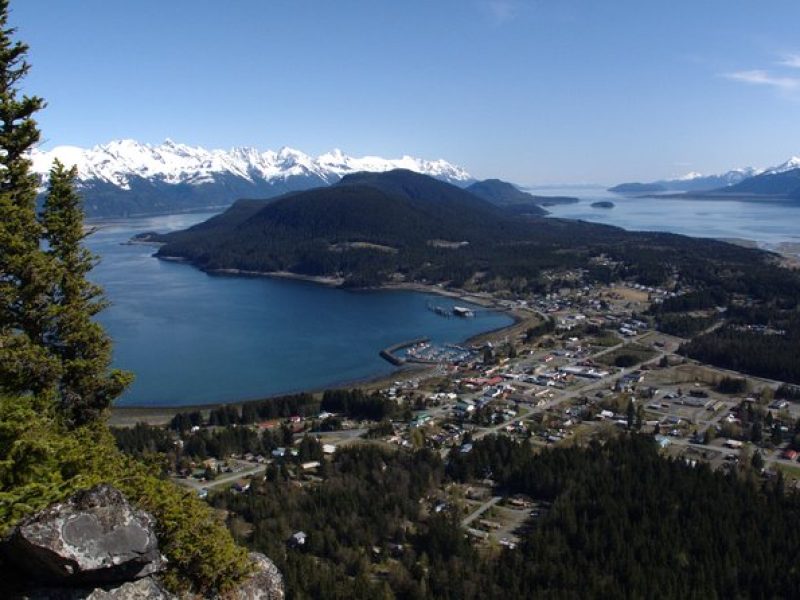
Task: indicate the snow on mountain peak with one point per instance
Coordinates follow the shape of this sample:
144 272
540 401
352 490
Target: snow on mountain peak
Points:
792 163
119 161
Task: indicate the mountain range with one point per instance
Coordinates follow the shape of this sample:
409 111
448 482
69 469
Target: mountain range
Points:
129 178
696 182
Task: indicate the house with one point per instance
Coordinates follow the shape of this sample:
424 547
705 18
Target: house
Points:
297 540
465 405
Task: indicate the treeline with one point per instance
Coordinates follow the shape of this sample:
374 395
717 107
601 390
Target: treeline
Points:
248 413
732 385
143 439
356 404
223 442
702 299
351 403
548 325
681 325
751 352
176 455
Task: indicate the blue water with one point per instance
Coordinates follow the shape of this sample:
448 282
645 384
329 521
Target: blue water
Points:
192 338
768 223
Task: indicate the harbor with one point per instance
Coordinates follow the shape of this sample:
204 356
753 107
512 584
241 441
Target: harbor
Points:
422 351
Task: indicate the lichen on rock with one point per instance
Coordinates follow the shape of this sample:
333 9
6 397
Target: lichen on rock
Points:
94 537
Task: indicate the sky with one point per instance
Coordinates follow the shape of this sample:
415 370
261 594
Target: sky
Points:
531 91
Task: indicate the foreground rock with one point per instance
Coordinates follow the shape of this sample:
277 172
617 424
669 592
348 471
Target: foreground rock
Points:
94 537
96 546
265 584
148 588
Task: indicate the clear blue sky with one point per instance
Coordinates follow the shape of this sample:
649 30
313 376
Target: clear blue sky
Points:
531 91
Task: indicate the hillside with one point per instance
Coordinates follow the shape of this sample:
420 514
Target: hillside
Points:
373 228
365 223
513 199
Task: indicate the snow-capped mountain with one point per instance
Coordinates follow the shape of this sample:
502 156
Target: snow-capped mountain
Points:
792 163
693 182
126 177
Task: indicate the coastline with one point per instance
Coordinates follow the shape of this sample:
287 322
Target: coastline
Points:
320 279
127 416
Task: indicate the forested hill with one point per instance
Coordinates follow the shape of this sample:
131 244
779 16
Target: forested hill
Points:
371 228
509 196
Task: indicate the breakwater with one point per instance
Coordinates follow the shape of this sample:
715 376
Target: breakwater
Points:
389 353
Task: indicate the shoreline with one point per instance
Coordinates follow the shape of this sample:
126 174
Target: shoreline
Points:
124 416
319 279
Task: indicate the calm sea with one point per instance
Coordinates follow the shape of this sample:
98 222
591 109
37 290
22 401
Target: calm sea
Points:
767 223
192 338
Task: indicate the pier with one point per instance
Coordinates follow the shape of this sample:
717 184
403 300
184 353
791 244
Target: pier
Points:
389 353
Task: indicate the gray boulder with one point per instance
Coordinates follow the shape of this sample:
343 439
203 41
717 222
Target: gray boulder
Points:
94 537
147 588
265 584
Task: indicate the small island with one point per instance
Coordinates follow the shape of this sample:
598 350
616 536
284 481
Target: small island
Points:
603 204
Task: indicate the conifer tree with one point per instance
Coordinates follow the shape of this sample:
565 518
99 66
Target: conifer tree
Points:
86 387
25 271
49 345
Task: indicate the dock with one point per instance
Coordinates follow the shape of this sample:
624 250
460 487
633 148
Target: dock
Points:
388 354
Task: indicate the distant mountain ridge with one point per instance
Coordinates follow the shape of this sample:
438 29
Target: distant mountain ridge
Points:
128 178
777 184
693 182
696 182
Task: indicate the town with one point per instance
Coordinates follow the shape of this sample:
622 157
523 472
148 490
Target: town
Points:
579 365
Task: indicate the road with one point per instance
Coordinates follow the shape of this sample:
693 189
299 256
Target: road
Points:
227 478
480 510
